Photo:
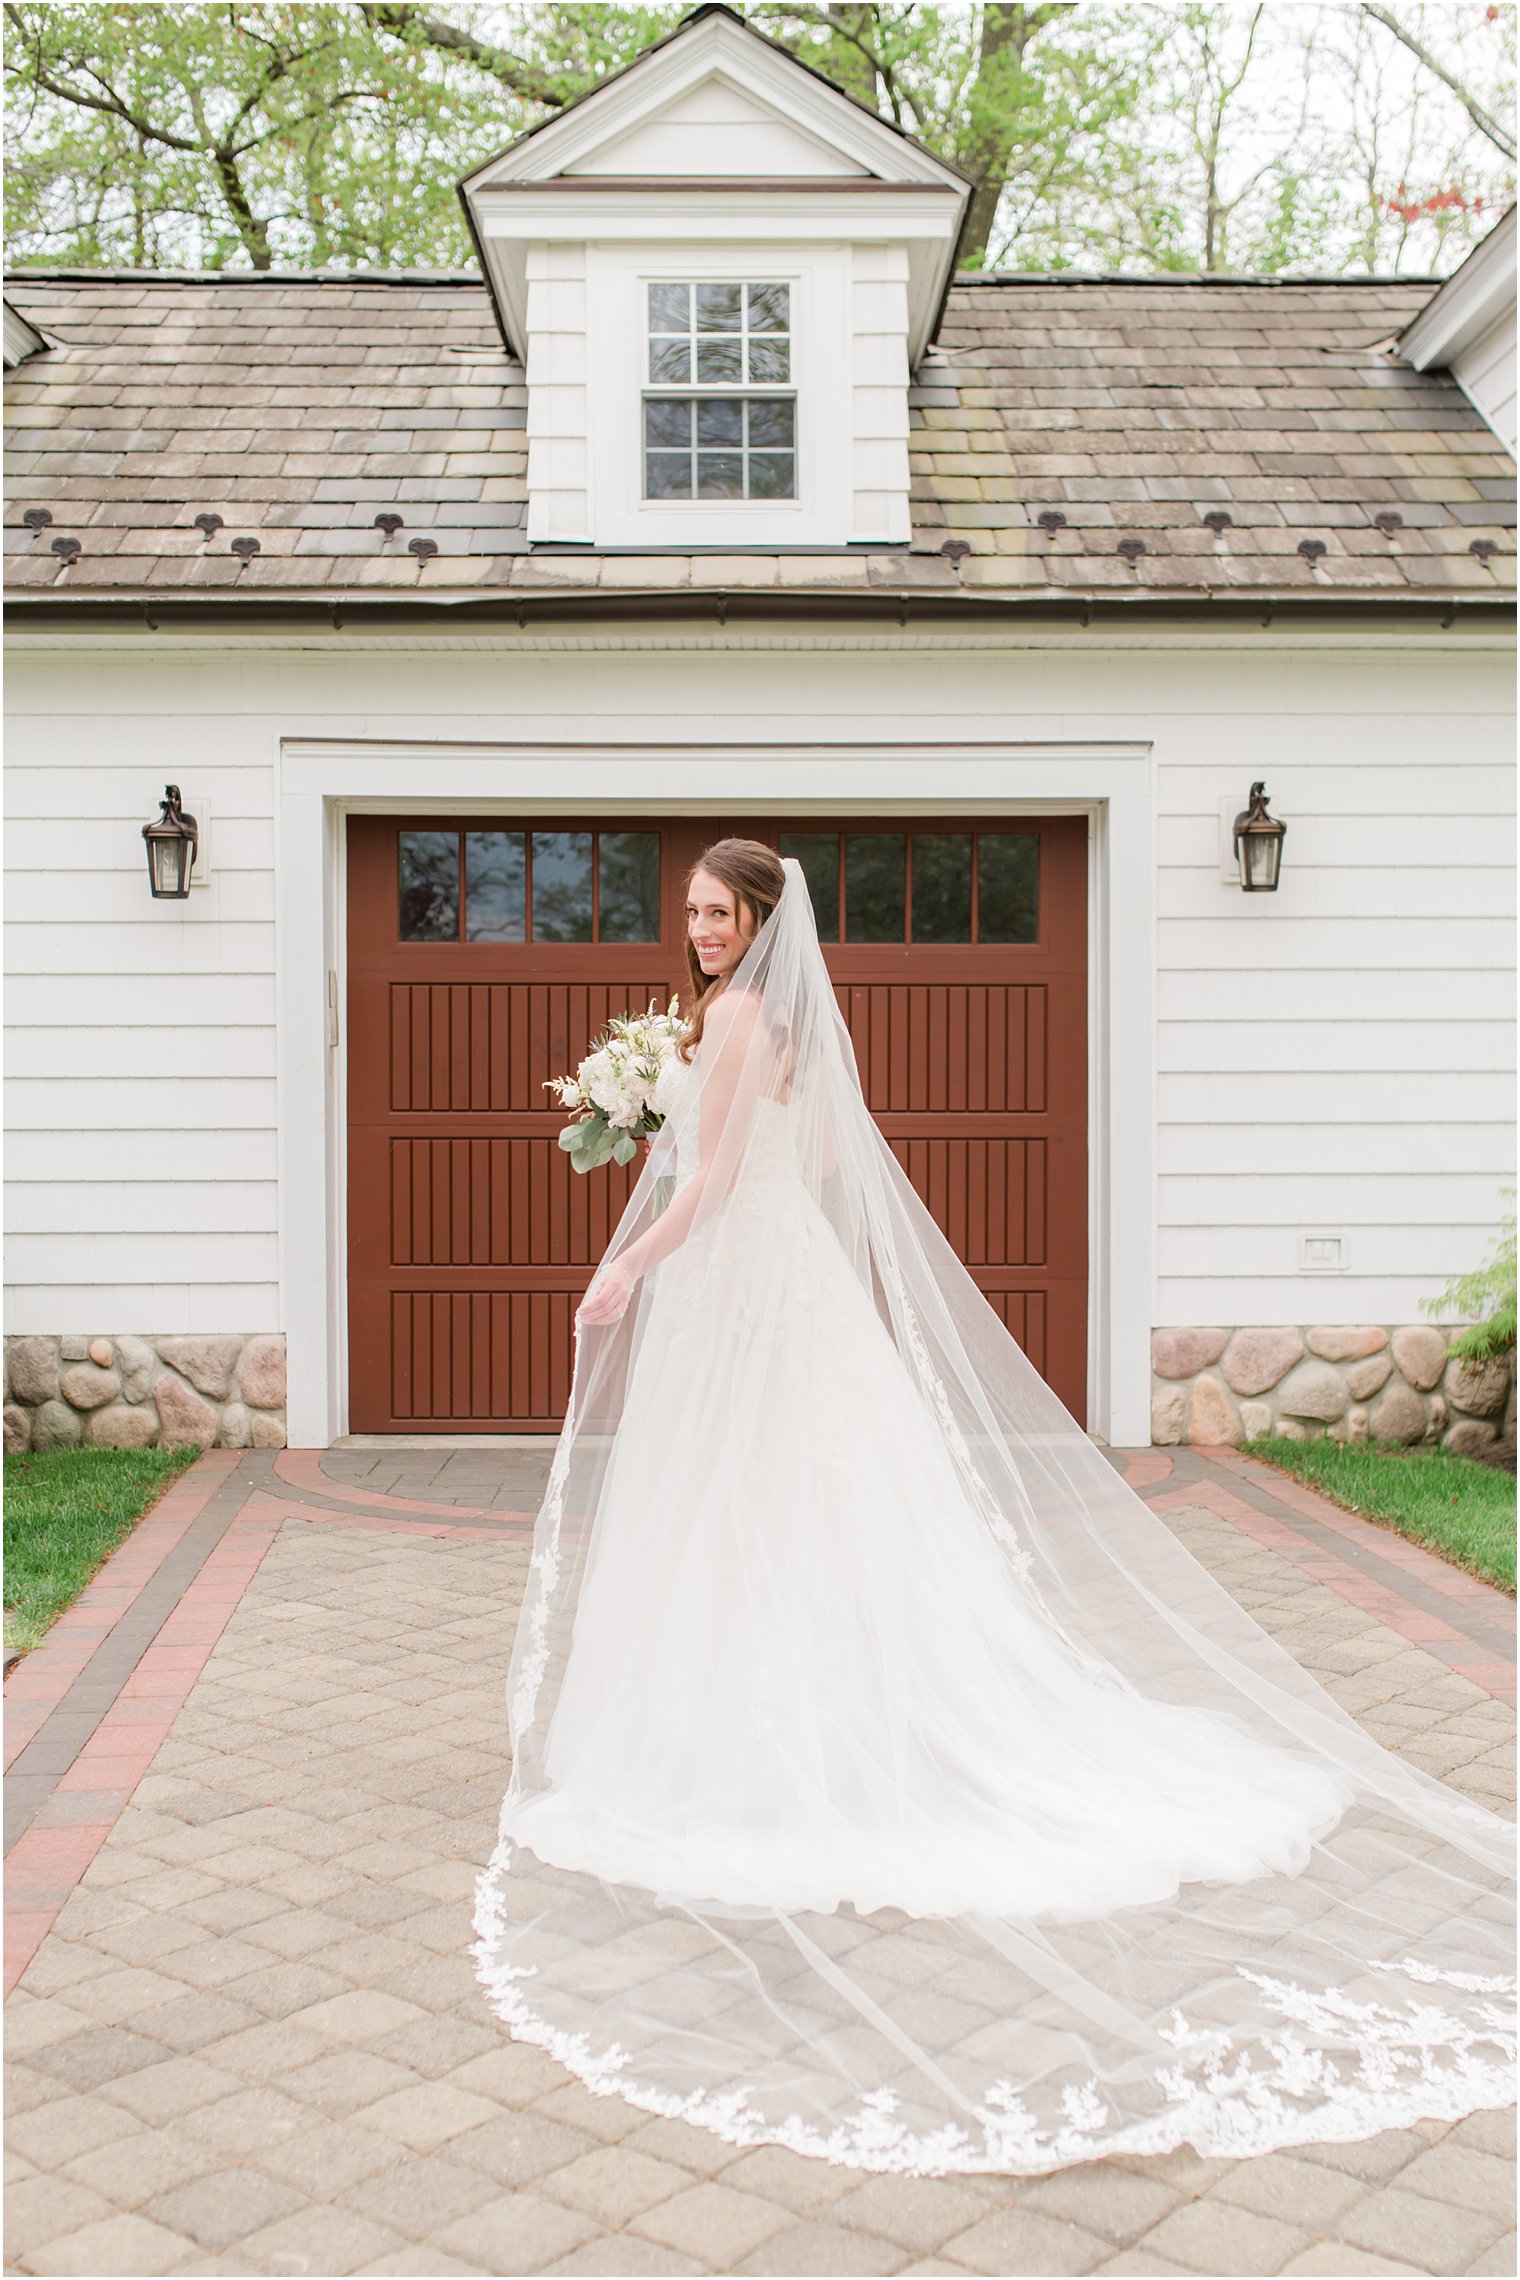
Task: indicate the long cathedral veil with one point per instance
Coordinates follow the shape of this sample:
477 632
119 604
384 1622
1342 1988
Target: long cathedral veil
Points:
1365 1982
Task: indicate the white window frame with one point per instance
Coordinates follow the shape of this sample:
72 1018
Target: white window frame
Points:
617 324
697 391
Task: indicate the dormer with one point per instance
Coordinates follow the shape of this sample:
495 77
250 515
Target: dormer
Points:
719 273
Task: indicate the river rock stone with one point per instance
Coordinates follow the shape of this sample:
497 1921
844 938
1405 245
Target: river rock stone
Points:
268 1431
1168 1414
261 1380
1398 1414
32 1364
74 1349
122 1427
1346 1342
1363 1379
1182 1353
207 1362
1470 1436
1314 1389
137 1362
1256 1359
100 1352
1212 1423
1356 1424
56 1426
1477 1387
1255 1419
18 1430
1292 1429
89 1388
184 1420
234 1431
1420 1353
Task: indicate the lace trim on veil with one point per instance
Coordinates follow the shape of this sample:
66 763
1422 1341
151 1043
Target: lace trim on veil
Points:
1218 2108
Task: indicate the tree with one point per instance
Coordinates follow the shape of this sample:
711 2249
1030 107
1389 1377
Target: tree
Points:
294 130
1017 97
315 132
1482 118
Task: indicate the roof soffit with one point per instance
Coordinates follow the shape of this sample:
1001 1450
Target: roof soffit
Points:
21 339
1473 297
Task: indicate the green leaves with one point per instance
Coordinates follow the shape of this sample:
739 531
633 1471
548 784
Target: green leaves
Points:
301 132
590 1144
1487 1298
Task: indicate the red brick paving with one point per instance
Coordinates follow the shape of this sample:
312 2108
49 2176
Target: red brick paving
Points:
43 1677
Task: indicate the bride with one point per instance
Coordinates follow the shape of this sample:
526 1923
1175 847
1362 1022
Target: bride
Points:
888 1782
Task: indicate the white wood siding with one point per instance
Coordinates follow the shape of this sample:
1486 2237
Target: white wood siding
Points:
559 499
1485 371
1336 1055
879 393
140 1037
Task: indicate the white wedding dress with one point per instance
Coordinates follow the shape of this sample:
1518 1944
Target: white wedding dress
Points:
985 1765
889 1783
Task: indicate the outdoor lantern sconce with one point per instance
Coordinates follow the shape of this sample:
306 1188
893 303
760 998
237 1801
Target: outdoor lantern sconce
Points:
1257 840
171 842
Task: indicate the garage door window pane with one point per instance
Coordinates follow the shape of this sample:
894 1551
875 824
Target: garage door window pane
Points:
630 884
496 886
942 886
562 886
875 886
429 886
818 853
1008 887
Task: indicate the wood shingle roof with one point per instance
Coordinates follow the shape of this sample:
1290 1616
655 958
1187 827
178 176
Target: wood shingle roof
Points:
1196 437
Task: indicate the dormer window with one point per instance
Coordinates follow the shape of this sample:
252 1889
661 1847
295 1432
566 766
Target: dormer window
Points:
719 272
710 441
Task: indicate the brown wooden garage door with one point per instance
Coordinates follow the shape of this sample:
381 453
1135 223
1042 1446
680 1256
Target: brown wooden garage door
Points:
483 955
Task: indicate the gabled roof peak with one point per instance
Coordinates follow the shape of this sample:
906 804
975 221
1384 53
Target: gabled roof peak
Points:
715 133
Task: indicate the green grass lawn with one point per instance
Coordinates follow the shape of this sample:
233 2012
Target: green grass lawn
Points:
1451 1504
65 1511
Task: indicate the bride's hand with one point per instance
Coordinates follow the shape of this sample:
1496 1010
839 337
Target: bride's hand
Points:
607 1299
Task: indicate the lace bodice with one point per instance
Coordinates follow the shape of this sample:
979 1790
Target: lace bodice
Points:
771 1155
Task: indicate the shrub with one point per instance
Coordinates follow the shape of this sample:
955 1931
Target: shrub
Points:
1487 1297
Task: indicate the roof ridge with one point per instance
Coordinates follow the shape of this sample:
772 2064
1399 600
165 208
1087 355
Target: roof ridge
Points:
74 274
1221 277
1011 278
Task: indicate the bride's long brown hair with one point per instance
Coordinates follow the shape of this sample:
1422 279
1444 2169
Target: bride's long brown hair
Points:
752 873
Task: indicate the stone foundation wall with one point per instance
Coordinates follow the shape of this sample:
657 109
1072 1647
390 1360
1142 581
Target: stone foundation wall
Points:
1354 1382
140 1393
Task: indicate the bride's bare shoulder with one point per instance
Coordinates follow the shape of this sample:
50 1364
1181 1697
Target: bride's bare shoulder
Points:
733 1012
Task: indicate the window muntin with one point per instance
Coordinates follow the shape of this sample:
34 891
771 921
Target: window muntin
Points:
923 887
710 442
528 886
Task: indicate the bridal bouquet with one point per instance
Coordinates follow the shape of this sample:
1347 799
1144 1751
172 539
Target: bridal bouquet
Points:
610 1091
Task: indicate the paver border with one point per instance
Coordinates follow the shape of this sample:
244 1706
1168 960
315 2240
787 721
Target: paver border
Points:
87 1710
1345 1552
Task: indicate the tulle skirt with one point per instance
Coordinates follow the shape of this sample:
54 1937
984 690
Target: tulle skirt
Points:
836 1836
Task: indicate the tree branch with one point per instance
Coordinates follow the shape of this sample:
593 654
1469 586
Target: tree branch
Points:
1481 119
401 18
111 103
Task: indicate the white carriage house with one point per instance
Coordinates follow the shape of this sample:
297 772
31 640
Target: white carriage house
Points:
461 611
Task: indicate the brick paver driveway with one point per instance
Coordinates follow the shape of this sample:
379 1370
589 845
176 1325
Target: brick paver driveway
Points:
254 1773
